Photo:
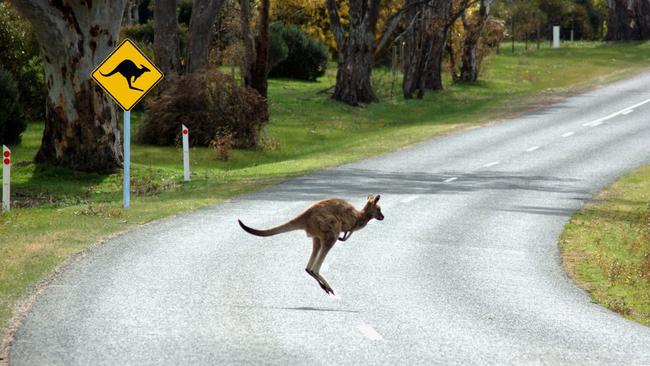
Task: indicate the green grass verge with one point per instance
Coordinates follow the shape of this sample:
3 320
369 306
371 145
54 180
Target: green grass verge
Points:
65 212
606 246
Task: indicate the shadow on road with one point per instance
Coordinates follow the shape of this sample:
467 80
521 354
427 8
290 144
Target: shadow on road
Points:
300 308
361 182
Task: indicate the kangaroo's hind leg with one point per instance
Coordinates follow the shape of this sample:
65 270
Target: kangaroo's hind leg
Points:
325 248
316 246
128 80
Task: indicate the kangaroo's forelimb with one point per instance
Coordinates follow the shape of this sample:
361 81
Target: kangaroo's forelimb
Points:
346 236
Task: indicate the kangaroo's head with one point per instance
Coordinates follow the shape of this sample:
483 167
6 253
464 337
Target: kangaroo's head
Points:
372 208
144 68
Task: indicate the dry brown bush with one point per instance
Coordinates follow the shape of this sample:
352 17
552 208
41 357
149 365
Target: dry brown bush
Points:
222 144
205 103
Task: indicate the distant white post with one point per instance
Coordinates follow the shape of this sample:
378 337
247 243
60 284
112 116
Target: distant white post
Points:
556 36
6 176
186 153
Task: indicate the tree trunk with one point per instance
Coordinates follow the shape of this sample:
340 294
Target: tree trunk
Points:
165 42
434 74
628 20
425 45
260 71
355 51
204 14
416 54
353 76
474 26
81 122
248 40
130 16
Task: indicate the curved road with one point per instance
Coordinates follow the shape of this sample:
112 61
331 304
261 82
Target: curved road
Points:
464 270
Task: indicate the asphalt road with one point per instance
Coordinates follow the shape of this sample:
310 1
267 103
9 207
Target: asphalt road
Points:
464 270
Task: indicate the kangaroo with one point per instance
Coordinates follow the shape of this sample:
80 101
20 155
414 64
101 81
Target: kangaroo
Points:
324 221
128 70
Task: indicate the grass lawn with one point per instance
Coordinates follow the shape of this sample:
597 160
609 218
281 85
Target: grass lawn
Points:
61 212
606 246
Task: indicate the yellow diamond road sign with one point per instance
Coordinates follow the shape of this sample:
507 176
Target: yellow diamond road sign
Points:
127 75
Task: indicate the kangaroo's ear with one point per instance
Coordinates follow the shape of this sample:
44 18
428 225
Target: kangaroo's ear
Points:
376 199
370 198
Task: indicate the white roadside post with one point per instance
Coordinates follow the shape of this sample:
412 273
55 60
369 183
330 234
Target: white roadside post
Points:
186 153
556 36
6 176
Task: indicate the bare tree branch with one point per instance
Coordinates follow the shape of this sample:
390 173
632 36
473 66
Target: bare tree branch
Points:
337 28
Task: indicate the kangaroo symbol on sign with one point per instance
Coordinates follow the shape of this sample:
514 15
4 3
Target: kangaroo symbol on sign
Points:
128 70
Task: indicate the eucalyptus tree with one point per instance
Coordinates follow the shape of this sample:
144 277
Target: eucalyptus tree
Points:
81 121
473 26
628 20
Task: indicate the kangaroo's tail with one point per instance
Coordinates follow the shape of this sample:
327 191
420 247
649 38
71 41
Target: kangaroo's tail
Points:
289 226
110 73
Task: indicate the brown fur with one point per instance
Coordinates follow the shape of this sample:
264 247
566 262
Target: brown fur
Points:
324 221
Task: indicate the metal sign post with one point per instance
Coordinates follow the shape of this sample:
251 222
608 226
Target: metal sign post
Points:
186 153
6 177
127 159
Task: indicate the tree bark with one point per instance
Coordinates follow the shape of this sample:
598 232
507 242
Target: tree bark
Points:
425 42
434 73
628 20
165 41
204 14
248 40
416 55
81 122
474 26
355 51
130 12
260 71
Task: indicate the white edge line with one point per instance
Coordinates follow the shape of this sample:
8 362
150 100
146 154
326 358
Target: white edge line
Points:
601 120
625 113
532 148
370 332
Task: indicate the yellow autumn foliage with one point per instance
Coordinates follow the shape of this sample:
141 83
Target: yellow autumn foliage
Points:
312 16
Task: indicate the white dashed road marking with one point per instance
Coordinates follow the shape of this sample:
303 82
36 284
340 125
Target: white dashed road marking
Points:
568 134
491 164
409 199
450 180
532 148
370 332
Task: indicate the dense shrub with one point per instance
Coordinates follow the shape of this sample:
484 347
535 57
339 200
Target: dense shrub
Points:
12 120
143 35
306 58
278 49
140 33
206 103
19 55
